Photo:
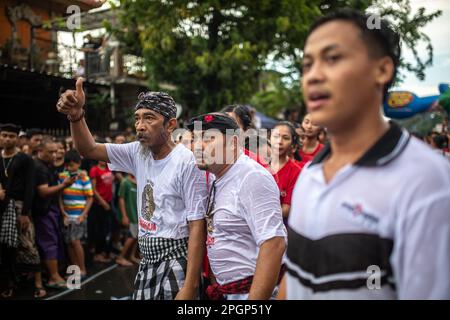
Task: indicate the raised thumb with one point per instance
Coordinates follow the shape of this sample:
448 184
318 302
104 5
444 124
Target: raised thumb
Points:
79 86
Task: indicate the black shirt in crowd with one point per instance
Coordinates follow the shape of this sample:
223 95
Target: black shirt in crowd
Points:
45 174
20 182
60 169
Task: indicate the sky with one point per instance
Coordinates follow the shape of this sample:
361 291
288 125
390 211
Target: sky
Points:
439 32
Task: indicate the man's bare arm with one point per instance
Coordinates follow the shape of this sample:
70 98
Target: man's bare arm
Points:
85 144
285 208
46 191
282 290
267 268
196 249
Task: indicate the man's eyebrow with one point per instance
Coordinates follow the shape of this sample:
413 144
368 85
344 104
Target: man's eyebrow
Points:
148 113
329 48
324 50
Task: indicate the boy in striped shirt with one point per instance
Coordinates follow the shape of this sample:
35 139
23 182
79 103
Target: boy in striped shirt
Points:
75 203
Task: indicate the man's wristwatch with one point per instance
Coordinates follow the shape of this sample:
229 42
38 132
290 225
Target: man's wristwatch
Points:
81 116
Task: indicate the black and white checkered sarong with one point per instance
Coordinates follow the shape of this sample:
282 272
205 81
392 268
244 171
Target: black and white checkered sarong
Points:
161 280
9 233
159 249
162 270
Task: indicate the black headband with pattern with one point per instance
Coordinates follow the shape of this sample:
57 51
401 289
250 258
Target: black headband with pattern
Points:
159 102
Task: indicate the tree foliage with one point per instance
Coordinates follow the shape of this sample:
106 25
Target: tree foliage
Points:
216 51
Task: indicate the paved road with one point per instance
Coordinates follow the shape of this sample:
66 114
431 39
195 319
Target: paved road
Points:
113 282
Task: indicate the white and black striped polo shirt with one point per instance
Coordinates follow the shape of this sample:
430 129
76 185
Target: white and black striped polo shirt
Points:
380 229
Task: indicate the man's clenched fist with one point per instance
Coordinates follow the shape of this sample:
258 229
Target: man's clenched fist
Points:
71 102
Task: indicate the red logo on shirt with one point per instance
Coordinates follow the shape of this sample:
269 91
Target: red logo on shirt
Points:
210 240
359 213
209 118
147 225
357 210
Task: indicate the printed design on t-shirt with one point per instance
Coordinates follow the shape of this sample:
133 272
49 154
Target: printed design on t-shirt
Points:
148 202
210 224
283 193
210 228
210 209
107 178
356 212
210 214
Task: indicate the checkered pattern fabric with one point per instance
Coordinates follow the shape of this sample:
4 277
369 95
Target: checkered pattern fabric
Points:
161 280
9 234
154 249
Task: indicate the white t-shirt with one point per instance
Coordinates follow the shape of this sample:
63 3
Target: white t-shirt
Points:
171 191
246 213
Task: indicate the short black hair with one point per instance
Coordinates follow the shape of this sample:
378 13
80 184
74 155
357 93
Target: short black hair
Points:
33 132
46 139
72 156
383 41
10 127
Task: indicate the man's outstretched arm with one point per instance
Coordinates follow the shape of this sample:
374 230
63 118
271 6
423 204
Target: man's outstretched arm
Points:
85 144
71 103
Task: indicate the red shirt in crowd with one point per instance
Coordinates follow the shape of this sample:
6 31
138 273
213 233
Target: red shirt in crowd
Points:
306 157
104 182
286 178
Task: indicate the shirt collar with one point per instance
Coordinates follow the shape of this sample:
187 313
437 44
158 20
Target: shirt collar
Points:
386 149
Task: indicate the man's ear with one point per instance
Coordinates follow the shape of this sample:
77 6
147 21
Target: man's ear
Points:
384 71
172 125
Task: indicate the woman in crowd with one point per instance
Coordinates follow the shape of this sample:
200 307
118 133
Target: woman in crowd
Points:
284 140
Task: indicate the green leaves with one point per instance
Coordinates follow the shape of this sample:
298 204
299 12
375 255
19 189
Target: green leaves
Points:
283 24
216 52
